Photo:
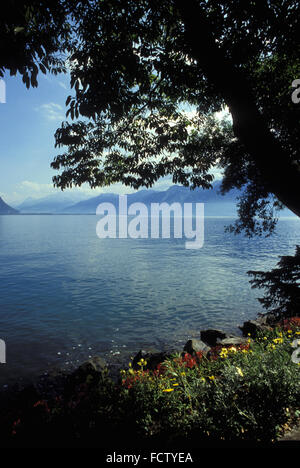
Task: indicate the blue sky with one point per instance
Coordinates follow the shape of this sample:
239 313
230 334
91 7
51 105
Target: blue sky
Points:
28 121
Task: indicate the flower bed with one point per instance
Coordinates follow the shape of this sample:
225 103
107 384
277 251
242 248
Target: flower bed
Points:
244 392
249 392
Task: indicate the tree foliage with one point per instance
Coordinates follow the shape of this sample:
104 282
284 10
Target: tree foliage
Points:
282 298
33 37
148 78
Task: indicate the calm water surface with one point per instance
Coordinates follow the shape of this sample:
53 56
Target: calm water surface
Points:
66 295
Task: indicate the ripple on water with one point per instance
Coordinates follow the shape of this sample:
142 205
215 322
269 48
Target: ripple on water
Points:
63 290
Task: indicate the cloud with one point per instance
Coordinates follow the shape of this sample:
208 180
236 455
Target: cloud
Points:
36 190
25 189
52 111
35 187
63 85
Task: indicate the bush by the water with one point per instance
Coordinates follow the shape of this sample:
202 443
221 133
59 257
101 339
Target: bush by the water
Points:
282 285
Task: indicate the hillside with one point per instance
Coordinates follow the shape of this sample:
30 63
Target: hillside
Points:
174 194
6 209
54 203
74 203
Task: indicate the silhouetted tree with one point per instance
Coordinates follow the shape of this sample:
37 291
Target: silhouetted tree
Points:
149 77
282 298
34 35
137 68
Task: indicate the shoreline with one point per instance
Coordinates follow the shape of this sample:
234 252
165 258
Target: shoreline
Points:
115 361
57 399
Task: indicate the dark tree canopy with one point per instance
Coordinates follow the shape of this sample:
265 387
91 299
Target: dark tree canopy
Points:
139 65
33 37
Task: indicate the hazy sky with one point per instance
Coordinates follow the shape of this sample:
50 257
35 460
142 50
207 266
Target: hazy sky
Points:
28 121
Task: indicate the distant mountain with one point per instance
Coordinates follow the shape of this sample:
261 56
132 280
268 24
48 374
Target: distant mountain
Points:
77 203
54 203
89 206
6 209
219 205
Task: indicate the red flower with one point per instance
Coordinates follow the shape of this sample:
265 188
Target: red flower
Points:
293 322
15 425
160 369
190 361
42 403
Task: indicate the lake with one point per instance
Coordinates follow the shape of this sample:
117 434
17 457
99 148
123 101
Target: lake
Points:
66 295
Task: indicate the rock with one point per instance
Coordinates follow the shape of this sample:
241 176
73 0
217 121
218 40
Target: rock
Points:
194 346
211 336
92 367
253 327
291 435
232 341
94 364
152 358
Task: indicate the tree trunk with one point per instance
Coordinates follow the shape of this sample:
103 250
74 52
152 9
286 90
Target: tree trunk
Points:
274 164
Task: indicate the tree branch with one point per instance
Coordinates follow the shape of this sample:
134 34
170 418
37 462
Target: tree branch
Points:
272 161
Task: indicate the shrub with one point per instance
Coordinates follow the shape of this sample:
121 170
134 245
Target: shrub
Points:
247 392
282 298
238 393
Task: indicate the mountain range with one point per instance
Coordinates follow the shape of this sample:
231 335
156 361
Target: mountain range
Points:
174 194
54 203
6 209
62 203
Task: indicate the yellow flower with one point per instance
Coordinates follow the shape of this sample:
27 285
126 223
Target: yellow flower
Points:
224 352
131 371
239 371
211 377
142 363
232 349
168 390
175 384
